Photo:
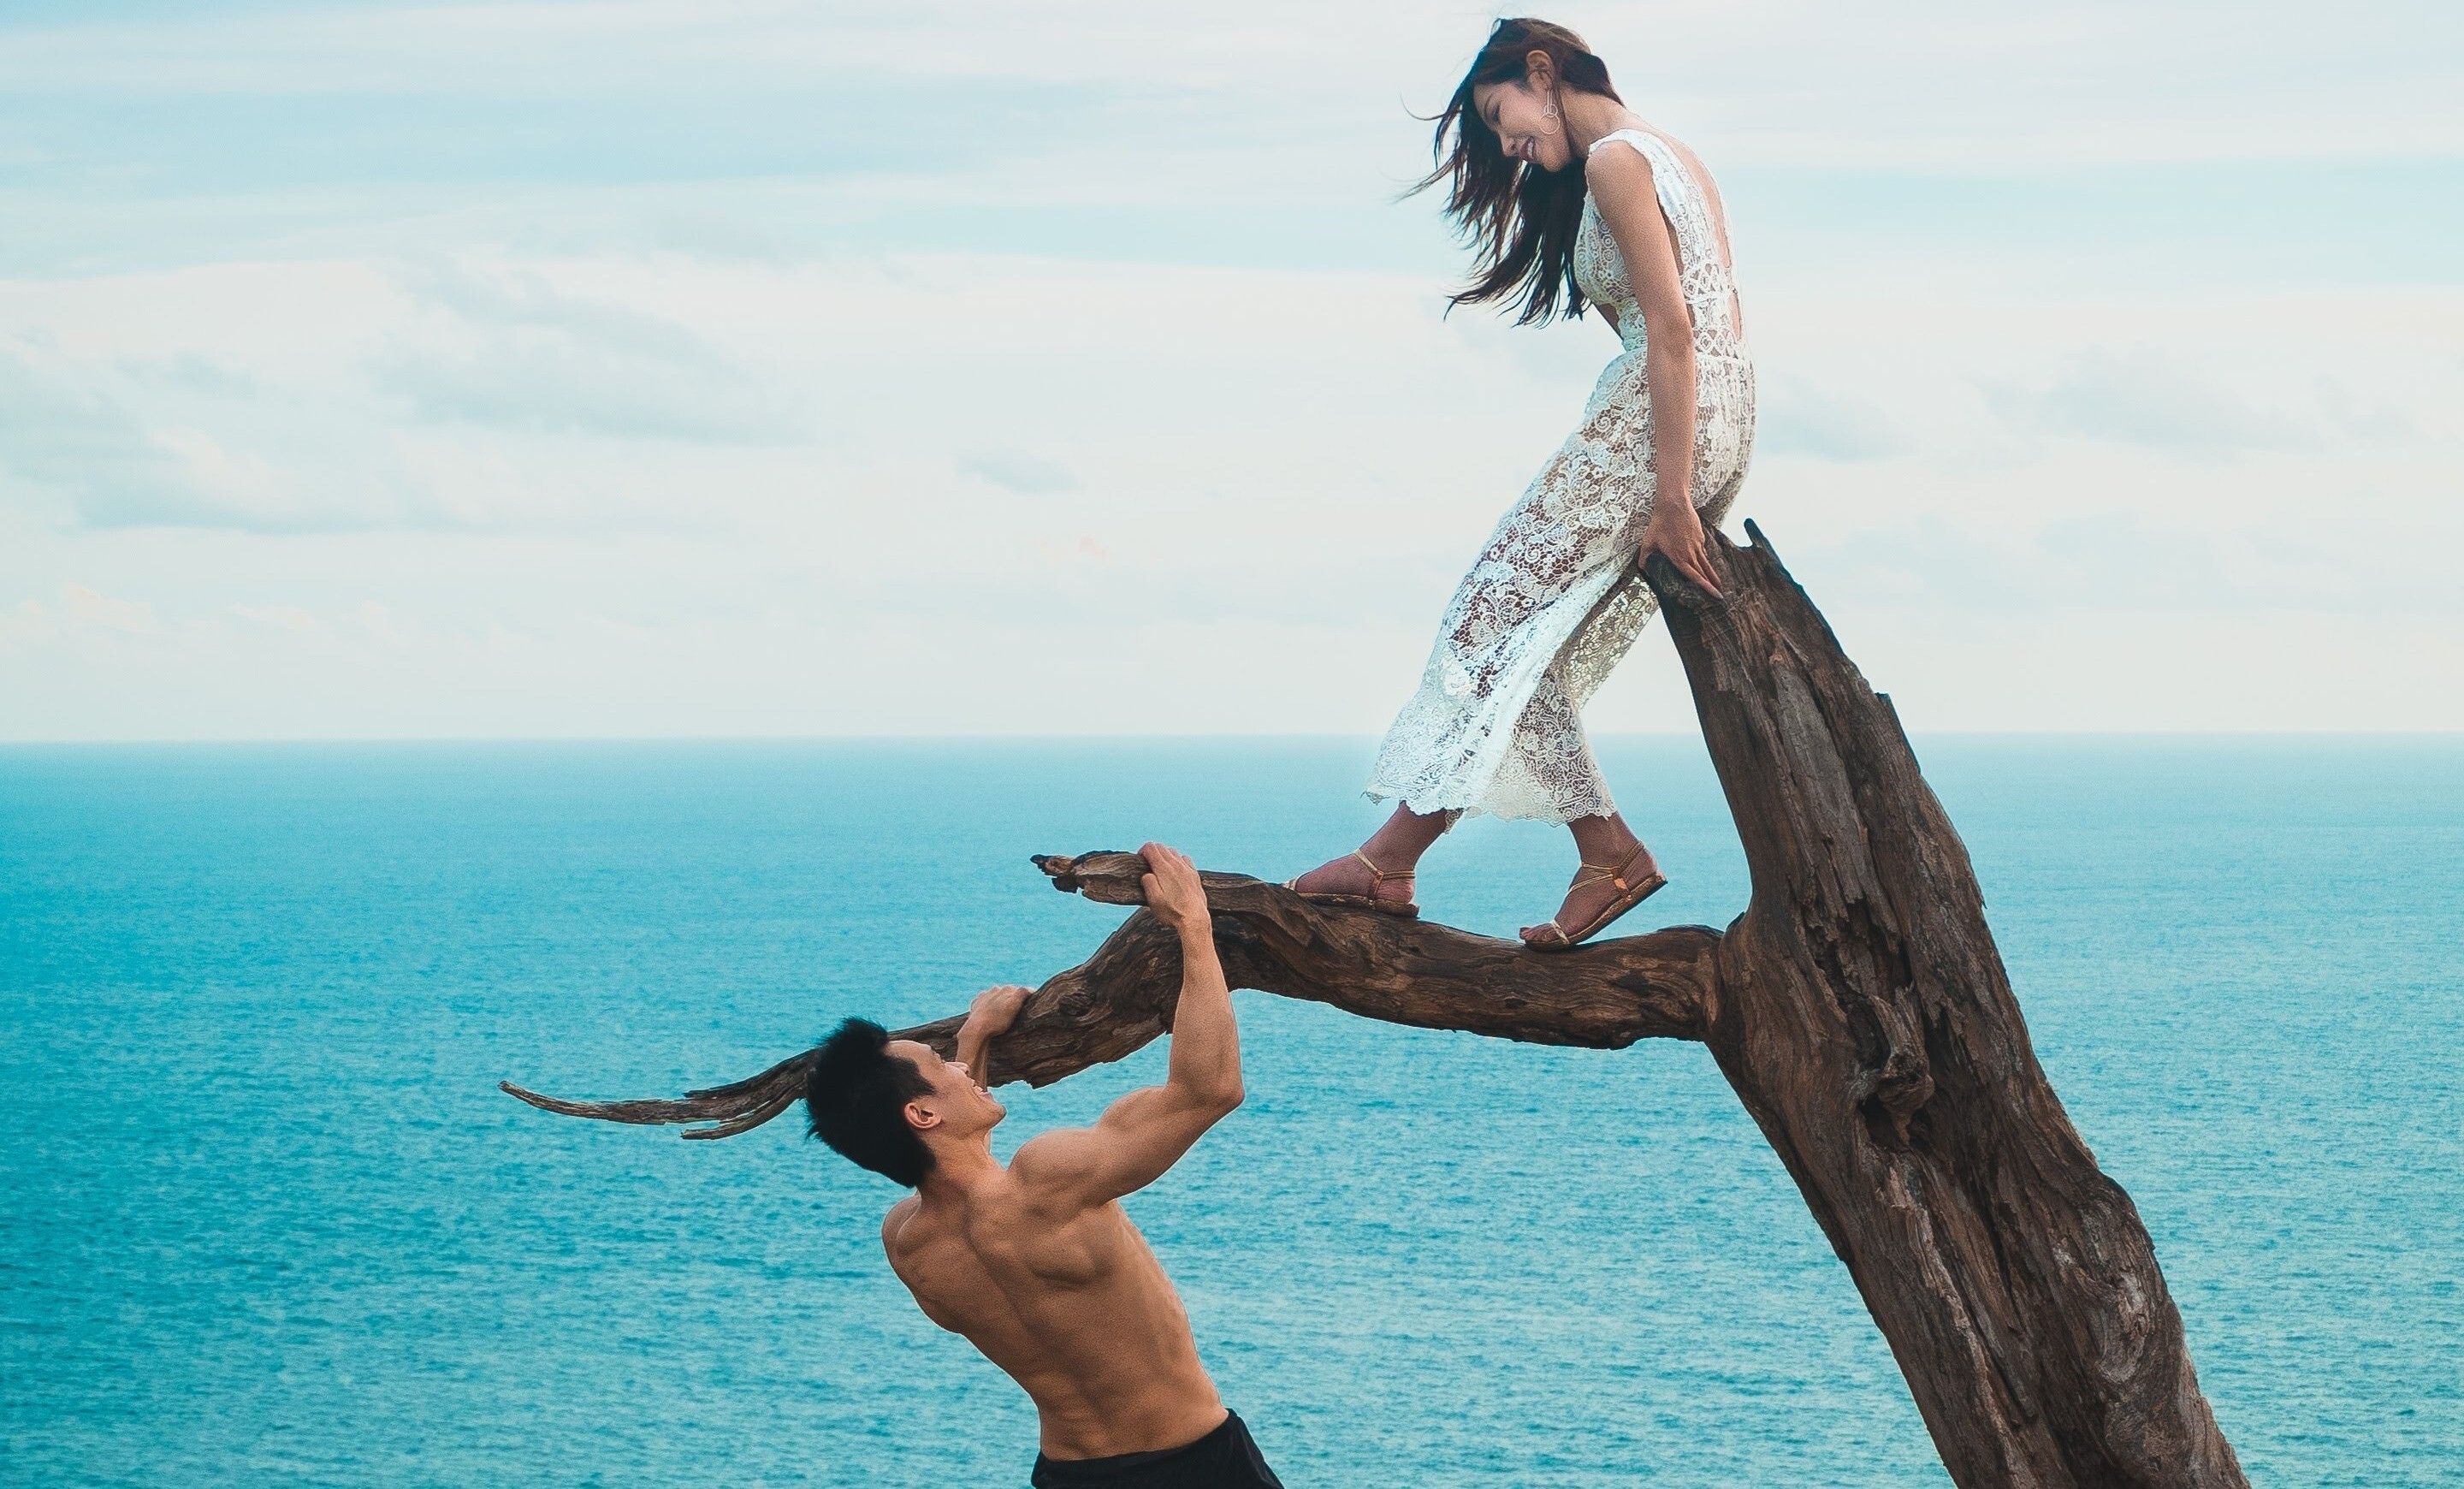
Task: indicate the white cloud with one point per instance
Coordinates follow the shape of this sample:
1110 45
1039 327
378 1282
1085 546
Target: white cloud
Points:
86 608
1929 83
1014 470
1286 481
2138 395
516 353
284 617
1795 417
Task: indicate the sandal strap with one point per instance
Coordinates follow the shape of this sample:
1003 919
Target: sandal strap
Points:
1613 873
1378 874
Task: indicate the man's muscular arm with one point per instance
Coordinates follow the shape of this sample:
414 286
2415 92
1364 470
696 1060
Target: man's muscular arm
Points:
1144 1132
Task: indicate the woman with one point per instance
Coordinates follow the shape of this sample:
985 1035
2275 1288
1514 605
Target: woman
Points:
1574 199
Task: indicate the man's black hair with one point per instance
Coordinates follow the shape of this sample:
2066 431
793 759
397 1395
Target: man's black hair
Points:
856 1096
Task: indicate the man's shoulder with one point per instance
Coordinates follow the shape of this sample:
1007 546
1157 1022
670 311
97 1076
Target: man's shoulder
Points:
1047 1156
1051 1171
896 1220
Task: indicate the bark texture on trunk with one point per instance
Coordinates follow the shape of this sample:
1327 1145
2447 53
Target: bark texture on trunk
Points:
1858 1007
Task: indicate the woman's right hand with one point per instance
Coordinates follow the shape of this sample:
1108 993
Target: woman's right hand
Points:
1675 531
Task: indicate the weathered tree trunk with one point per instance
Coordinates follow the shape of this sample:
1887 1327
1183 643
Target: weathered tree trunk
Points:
1858 1007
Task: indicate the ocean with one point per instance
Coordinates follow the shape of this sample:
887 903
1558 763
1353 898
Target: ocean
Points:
266 1219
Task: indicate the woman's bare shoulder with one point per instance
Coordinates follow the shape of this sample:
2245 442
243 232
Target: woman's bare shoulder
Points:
1614 168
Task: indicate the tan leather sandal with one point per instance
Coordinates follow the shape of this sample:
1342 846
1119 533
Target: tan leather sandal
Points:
1368 901
1627 898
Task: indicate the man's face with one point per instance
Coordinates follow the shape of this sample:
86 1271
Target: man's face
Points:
961 1107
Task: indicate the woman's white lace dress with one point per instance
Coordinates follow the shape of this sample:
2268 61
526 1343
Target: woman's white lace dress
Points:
1555 598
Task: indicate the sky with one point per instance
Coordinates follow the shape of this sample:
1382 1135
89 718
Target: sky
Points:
715 368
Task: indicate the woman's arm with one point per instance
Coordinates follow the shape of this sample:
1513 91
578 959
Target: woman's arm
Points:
1620 182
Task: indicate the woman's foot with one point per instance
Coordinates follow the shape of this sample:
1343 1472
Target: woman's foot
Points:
1377 874
1599 886
1354 878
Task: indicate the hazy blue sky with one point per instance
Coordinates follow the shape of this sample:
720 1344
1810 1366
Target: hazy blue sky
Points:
654 369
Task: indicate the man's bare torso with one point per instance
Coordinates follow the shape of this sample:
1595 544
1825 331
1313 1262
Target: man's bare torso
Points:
1076 1310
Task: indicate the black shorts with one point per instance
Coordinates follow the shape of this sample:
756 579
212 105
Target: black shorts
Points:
1224 1458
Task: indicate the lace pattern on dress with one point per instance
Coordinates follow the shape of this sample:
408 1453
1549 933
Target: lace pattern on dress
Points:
1554 600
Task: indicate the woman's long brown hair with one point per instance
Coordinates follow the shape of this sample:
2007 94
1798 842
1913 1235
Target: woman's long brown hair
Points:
1519 220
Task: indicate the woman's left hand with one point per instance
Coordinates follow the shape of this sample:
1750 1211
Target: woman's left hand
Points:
1674 529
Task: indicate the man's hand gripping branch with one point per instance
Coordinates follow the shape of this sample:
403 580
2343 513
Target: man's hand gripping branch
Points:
1144 1132
989 1017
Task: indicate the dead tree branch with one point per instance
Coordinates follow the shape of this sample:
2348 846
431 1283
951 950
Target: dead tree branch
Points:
1858 1008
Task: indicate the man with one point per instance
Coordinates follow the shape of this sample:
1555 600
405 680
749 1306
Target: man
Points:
1036 1263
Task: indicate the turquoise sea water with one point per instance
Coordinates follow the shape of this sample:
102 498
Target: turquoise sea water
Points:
267 1220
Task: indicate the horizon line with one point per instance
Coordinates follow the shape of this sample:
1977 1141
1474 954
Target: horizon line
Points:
1028 738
